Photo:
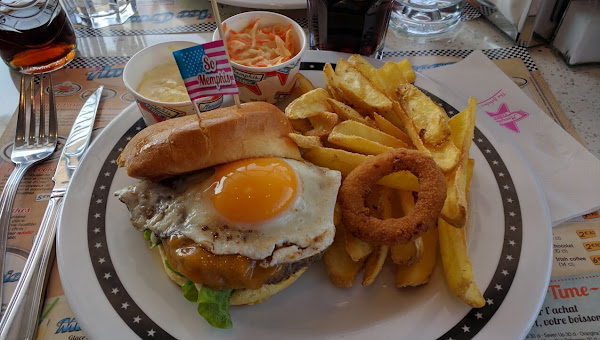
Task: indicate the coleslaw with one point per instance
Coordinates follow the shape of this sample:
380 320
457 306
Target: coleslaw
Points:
261 46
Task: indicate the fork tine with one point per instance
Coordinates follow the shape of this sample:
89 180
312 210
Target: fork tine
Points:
21 121
42 126
52 120
32 118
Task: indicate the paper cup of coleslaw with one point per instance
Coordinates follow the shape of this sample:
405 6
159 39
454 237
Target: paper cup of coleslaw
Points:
265 83
157 62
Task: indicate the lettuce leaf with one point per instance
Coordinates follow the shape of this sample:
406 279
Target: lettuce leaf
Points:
213 305
172 269
189 291
148 237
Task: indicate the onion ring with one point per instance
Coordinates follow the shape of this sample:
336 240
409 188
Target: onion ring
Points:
393 231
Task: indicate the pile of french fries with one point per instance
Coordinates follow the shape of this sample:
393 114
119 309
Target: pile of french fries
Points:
364 111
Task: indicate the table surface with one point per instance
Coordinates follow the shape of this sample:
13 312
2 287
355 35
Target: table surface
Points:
575 87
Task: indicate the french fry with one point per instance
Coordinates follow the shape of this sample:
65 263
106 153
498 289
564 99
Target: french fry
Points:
341 269
455 258
345 161
306 142
308 105
357 137
470 167
455 207
411 130
358 91
377 258
322 124
445 156
409 253
374 264
430 119
462 127
393 118
386 126
331 82
304 85
407 70
390 77
357 144
345 112
301 125
366 69
356 248
419 272
335 159
353 128
371 73
457 265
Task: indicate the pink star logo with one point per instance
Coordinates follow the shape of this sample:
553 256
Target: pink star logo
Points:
508 118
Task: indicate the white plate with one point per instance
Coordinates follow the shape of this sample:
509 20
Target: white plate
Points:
266 4
117 288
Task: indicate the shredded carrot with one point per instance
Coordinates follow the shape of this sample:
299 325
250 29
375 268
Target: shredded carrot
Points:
261 46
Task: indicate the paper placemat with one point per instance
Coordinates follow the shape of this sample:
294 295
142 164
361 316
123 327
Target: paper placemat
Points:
73 86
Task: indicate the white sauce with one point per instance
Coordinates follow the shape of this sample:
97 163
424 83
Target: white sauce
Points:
164 84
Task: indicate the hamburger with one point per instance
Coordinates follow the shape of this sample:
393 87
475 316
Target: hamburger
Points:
234 211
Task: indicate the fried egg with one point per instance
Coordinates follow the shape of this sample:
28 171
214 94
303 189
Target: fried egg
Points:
271 209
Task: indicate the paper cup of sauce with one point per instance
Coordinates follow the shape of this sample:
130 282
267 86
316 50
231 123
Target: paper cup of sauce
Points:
155 64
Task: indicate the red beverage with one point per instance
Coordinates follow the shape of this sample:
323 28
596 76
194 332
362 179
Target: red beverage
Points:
36 39
353 26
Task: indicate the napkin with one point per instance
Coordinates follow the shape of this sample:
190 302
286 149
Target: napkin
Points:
568 172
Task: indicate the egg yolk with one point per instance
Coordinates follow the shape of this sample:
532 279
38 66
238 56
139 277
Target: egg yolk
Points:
253 190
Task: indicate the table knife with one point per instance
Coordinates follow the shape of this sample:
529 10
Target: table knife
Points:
21 315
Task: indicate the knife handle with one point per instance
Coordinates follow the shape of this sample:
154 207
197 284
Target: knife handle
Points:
21 316
7 200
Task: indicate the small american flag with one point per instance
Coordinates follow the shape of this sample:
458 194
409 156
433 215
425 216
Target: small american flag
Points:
205 70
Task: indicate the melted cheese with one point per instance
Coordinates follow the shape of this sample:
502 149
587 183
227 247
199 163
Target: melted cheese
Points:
215 271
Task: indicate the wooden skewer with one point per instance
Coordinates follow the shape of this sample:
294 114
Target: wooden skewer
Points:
215 9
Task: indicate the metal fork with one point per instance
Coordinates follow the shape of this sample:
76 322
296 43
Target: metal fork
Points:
27 150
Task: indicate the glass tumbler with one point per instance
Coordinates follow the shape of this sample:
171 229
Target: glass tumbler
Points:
352 26
424 17
35 35
100 13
